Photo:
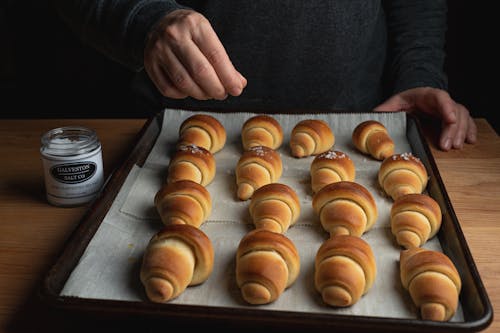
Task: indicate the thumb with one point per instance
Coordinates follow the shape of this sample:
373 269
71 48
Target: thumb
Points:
395 103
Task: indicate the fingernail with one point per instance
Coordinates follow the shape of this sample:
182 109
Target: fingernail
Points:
446 144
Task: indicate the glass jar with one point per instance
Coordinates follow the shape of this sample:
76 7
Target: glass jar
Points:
72 162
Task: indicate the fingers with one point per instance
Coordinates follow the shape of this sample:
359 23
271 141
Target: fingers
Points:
463 130
186 58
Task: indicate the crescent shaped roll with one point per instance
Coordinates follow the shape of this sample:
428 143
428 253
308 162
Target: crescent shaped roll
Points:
204 131
191 162
311 137
415 218
345 270
183 202
261 130
372 138
402 174
177 256
345 208
266 264
432 281
274 207
256 167
330 167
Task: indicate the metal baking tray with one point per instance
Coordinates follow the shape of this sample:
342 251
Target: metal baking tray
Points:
477 310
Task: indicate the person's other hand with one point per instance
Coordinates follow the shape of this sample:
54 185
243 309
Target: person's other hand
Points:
184 57
457 125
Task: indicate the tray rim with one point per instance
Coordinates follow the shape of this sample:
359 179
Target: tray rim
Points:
76 244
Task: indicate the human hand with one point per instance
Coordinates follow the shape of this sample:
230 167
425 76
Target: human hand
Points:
457 125
184 57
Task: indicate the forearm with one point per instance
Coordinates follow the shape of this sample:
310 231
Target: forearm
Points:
416 43
117 28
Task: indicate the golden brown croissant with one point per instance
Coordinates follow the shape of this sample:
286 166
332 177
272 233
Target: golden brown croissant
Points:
191 162
266 264
402 174
311 137
345 270
274 207
204 131
183 202
261 130
415 218
257 166
372 138
432 281
330 167
345 208
176 257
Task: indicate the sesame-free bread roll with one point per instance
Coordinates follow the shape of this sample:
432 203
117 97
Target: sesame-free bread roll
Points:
177 256
266 264
345 208
402 174
274 207
344 270
432 281
183 202
311 137
261 130
190 162
372 138
330 167
256 167
204 131
415 218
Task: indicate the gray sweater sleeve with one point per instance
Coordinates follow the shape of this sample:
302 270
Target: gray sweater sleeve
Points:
117 28
416 43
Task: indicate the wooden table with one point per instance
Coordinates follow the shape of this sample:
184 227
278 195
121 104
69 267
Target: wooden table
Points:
33 233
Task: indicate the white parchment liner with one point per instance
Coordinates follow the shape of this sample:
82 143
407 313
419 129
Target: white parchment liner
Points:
109 268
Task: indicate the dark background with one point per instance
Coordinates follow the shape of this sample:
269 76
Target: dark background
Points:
46 72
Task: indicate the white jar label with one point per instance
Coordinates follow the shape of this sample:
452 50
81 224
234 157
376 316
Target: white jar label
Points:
74 182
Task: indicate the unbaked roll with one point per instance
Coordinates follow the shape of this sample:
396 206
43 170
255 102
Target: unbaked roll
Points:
177 256
256 167
204 131
183 202
311 137
402 174
415 218
330 167
274 207
432 281
372 138
266 264
261 130
345 208
344 270
190 162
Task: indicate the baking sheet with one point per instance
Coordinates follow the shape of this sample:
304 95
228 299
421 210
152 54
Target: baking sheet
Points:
109 267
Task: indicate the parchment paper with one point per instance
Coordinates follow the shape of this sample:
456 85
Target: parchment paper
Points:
109 268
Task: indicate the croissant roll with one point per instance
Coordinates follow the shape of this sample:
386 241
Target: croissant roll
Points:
261 130
257 166
344 270
402 174
183 202
266 264
345 208
330 167
311 137
176 257
204 131
191 162
432 281
372 138
415 218
274 207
